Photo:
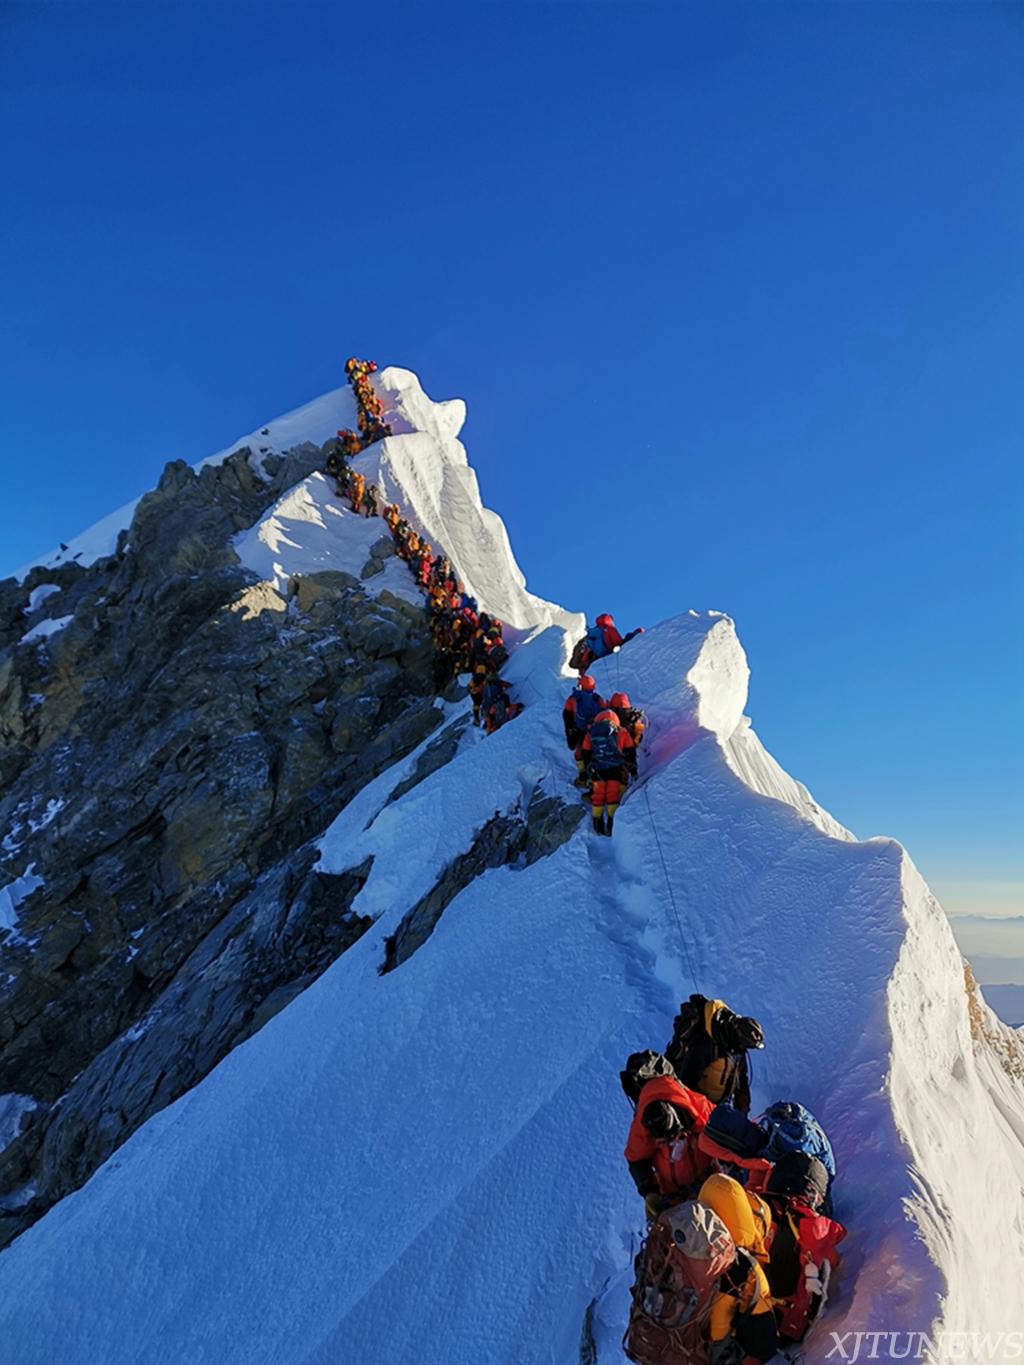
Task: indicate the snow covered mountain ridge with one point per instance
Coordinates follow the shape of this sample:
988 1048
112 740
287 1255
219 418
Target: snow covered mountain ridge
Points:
410 1148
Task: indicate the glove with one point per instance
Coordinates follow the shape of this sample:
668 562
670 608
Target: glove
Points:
817 1281
652 1205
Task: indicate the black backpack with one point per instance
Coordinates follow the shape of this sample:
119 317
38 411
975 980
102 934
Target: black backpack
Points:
732 1130
604 746
642 1067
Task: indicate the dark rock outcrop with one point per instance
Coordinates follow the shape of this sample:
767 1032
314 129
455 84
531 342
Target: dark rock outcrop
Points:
516 839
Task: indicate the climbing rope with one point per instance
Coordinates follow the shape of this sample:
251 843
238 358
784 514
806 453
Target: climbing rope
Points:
675 909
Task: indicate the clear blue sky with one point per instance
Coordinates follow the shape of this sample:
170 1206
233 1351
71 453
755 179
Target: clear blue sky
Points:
734 294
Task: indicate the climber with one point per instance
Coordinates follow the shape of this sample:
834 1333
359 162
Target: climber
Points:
802 1244
601 639
350 442
356 486
630 718
709 1050
611 757
742 1322
664 1159
496 651
498 707
423 565
578 714
392 516
335 464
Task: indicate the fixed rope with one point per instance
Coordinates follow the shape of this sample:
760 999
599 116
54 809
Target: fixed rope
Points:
675 909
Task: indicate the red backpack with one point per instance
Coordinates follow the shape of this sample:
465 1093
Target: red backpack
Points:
677 1271
802 1258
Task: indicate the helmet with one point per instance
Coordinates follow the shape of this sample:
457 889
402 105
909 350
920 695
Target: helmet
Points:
609 716
744 1033
619 701
605 619
587 683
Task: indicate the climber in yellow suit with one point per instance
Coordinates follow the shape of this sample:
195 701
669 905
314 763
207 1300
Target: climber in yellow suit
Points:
742 1325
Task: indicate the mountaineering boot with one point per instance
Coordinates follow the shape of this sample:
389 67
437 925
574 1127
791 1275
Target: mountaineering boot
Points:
609 822
599 823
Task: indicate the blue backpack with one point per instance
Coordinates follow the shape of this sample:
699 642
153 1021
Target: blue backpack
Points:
792 1128
604 746
587 706
595 642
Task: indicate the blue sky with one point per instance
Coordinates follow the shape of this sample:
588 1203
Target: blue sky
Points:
734 294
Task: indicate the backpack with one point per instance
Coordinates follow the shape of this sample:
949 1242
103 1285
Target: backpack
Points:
497 656
588 704
594 640
802 1257
792 1128
677 1271
799 1176
730 1129
632 718
578 657
709 1062
642 1067
604 746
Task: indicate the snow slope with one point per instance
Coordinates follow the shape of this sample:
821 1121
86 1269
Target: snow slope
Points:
426 1166
309 530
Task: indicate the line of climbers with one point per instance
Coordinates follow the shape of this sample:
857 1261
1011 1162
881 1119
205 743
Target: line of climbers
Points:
604 736
466 640
372 426
741 1244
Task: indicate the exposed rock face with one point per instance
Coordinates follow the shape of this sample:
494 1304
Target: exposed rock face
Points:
166 756
518 840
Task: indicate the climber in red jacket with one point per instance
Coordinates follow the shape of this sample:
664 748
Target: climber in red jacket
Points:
582 707
601 639
664 1159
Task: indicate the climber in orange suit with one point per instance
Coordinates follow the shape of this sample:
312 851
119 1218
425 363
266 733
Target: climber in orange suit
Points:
611 754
